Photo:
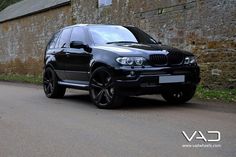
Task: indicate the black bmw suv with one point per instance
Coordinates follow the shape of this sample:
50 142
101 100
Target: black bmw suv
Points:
113 62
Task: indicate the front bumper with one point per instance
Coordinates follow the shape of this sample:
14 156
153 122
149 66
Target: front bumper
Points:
145 80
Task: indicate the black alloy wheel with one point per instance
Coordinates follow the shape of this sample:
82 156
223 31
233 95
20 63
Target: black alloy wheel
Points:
102 90
50 84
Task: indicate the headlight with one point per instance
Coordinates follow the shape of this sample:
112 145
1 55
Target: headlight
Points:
190 60
131 60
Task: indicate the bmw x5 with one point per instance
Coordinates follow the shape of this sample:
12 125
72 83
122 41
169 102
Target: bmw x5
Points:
113 62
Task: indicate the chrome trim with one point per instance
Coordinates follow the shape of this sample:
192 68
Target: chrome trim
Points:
72 84
72 71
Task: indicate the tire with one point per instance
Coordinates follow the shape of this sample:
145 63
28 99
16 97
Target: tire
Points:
102 91
50 84
179 95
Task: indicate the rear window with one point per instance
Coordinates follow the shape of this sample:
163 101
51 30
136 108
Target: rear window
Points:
64 38
53 41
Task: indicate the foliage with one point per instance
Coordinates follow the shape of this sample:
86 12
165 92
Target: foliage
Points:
225 95
21 78
6 3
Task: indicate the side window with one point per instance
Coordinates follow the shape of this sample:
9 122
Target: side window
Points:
78 35
64 38
53 41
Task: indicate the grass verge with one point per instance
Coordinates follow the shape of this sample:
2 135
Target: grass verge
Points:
224 95
21 78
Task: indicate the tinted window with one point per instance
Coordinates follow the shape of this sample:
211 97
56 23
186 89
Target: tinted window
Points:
141 36
107 34
64 38
113 34
53 41
78 34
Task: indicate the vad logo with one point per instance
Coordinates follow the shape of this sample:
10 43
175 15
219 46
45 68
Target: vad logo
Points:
198 135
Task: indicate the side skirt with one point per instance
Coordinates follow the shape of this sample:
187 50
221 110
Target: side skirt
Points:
80 86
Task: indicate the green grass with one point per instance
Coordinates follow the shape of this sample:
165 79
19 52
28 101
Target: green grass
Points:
21 78
224 95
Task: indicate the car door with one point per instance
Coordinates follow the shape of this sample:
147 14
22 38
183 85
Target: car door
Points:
79 59
60 53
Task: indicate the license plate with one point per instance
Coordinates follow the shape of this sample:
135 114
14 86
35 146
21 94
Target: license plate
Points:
172 79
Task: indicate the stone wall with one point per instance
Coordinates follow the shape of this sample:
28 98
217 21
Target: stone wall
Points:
204 27
23 40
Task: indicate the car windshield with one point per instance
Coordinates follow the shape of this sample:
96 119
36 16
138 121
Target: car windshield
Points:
118 34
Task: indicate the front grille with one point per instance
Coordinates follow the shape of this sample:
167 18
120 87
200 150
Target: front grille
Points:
175 58
162 59
158 59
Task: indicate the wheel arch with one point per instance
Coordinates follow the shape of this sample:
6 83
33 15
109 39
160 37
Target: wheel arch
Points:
49 65
96 65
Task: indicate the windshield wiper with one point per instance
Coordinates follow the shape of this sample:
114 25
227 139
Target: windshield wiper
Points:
121 42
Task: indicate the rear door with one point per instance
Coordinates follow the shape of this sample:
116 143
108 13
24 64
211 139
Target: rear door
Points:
61 55
50 50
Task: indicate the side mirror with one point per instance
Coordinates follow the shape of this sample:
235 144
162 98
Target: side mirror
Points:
79 45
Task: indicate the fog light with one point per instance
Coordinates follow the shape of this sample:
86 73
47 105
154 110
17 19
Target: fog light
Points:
132 73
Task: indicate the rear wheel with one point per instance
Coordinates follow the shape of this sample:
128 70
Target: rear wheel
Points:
179 95
102 91
50 84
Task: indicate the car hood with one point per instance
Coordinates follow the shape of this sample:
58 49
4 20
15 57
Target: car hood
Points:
140 49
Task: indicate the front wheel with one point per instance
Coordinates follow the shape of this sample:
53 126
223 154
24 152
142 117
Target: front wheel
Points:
102 91
179 95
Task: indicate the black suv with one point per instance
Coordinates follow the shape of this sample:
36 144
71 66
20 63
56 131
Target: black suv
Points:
112 62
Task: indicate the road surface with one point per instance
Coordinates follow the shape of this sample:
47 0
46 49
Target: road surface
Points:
32 125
